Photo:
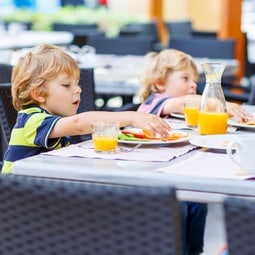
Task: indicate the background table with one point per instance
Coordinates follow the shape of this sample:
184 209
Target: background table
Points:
119 75
27 39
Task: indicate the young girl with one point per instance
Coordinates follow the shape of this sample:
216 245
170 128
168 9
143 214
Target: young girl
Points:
46 92
169 79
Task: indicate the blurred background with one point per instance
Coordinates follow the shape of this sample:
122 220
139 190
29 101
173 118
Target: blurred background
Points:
220 18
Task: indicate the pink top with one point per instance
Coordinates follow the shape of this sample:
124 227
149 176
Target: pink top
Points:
154 104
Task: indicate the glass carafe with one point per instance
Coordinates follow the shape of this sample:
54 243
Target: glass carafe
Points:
213 117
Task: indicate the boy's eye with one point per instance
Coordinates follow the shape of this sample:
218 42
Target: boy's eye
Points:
66 85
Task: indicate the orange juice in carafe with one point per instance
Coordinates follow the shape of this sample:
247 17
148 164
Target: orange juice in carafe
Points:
213 117
212 123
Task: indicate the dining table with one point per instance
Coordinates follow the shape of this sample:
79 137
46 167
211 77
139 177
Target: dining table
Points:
196 165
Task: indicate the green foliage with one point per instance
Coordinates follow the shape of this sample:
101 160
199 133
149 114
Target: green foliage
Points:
108 21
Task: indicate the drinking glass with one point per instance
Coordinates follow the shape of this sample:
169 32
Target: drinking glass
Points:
105 136
191 113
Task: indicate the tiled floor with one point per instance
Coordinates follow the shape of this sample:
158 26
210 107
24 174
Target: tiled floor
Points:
215 237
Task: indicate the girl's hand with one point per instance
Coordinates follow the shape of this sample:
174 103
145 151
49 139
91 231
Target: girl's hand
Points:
152 123
235 110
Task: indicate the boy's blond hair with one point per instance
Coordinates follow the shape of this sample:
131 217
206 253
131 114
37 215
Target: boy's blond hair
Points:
157 67
41 65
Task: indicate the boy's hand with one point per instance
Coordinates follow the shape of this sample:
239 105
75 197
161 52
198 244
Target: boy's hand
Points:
152 123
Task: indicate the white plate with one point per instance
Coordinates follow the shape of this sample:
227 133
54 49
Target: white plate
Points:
178 115
158 142
212 141
234 122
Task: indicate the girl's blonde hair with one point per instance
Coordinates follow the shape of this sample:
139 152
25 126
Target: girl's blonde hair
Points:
158 66
41 65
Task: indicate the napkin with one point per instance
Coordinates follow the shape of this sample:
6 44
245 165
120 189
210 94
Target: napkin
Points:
143 153
207 164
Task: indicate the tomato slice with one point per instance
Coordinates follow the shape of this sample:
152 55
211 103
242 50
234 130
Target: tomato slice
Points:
144 134
135 134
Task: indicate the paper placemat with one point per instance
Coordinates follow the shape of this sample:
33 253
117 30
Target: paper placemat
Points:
207 164
143 153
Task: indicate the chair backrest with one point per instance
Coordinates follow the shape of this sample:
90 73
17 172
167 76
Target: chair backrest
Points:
40 216
71 27
142 29
249 63
239 216
205 47
8 115
134 45
179 29
81 32
251 96
5 72
88 98
88 94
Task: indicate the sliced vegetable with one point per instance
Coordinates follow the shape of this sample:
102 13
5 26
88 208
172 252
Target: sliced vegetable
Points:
130 137
135 134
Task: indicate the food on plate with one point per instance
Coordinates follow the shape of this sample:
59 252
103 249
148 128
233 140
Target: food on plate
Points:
250 122
145 135
176 135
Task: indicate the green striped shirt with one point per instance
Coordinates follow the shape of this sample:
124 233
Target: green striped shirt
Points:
30 136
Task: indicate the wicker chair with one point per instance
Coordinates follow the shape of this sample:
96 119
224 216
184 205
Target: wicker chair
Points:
5 72
81 32
88 97
240 225
8 115
205 47
139 45
41 216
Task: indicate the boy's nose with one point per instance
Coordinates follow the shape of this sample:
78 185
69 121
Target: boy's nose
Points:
78 89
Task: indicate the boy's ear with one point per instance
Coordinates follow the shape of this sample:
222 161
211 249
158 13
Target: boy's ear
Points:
36 95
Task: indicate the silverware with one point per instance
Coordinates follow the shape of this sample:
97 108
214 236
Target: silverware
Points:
124 149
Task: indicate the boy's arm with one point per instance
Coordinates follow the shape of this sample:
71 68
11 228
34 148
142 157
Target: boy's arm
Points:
80 123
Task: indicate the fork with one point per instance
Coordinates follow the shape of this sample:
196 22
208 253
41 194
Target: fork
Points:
122 149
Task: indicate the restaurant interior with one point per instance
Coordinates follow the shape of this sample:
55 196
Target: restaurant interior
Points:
109 39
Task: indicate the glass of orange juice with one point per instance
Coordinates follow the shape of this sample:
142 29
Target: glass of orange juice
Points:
105 136
191 113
